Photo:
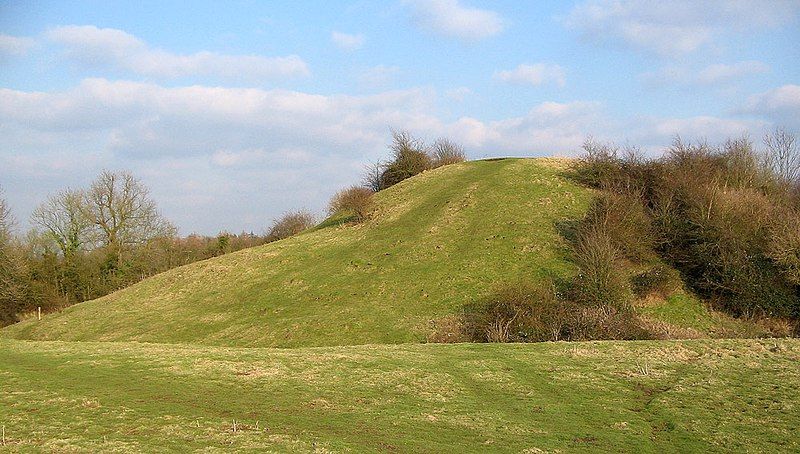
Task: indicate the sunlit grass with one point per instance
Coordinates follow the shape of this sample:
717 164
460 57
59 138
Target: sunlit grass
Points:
649 396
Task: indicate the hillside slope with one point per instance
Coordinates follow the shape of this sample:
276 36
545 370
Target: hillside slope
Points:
437 241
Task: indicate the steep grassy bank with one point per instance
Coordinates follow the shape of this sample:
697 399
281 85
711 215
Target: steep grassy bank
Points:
438 241
644 396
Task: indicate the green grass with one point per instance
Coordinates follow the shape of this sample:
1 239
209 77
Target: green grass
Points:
438 241
648 396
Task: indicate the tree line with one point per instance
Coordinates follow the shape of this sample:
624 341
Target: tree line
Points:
86 243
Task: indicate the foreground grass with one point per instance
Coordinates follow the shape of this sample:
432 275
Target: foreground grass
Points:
673 396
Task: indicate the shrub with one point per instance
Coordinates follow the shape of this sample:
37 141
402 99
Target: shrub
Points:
599 281
446 152
355 200
373 176
518 312
290 224
625 221
526 313
598 165
784 244
782 156
448 330
660 279
724 216
409 158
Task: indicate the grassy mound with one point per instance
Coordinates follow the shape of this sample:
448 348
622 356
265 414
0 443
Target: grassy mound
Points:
438 241
642 396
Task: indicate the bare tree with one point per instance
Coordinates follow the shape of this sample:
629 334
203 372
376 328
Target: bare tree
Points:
445 152
782 155
373 176
121 210
13 269
64 220
6 221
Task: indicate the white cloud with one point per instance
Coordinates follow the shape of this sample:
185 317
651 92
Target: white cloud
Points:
451 18
721 73
536 74
716 74
233 158
458 93
245 151
114 48
15 45
781 105
347 41
679 27
713 129
378 77
258 156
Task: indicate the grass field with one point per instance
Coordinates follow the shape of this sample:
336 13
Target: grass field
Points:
159 366
644 396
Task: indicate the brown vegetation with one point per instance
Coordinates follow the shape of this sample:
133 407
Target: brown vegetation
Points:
290 224
725 217
411 156
355 201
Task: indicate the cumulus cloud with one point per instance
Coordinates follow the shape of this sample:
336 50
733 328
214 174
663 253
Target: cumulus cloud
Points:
536 74
782 105
716 74
233 158
722 73
89 45
347 41
678 27
216 150
378 77
458 93
256 156
709 128
451 18
15 45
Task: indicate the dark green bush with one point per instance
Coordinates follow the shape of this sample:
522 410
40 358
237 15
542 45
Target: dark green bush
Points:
411 156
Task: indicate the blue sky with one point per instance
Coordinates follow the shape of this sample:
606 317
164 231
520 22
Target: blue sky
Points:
234 113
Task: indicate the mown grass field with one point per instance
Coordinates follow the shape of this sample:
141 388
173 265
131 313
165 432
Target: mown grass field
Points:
437 241
643 396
